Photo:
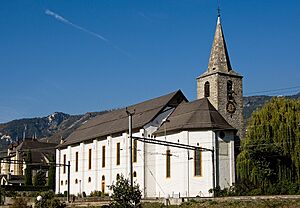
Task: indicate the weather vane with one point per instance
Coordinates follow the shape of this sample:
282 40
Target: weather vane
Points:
218 9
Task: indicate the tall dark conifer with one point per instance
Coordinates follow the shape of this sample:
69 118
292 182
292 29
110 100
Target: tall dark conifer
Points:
28 170
51 176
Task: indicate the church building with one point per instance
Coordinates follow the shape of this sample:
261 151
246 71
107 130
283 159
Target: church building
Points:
99 150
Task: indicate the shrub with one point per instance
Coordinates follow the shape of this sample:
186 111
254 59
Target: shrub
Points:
96 193
218 192
20 203
124 195
49 201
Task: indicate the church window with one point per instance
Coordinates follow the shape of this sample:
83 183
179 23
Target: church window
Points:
168 164
118 153
118 176
134 174
76 181
206 89
103 156
76 162
90 159
62 183
103 184
134 155
89 179
197 163
229 90
65 160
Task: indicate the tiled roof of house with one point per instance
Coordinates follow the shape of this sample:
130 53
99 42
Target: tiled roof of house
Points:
116 121
31 144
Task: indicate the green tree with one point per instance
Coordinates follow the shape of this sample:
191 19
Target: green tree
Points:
270 155
51 176
124 195
39 178
28 170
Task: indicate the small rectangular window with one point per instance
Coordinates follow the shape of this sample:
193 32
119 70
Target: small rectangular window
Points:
168 164
90 159
134 155
118 153
76 162
103 156
197 163
65 162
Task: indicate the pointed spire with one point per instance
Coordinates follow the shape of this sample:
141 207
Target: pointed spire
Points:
219 58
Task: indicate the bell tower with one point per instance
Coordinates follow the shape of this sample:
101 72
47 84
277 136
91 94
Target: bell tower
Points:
221 84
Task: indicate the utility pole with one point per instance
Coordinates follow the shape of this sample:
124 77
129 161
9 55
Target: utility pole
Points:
130 145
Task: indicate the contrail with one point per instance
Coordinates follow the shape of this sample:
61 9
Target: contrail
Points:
65 21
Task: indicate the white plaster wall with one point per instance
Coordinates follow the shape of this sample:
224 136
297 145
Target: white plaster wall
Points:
182 181
57 171
150 171
150 166
96 172
226 162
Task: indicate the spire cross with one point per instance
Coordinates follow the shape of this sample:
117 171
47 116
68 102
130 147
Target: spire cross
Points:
218 9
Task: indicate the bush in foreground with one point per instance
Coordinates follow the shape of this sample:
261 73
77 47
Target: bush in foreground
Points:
124 195
49 201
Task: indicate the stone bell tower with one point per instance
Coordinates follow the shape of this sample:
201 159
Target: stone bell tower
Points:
221 84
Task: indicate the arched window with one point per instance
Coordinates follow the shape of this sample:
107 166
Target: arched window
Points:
229 90
89 180
134 174
118 176
76 181
206 89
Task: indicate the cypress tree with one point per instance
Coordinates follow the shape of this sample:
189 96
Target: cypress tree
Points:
28 170
51 177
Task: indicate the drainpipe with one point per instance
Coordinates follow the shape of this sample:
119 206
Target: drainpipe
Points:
59 170
213 169
188 167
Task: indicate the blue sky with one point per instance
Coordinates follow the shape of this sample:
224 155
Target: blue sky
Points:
113 53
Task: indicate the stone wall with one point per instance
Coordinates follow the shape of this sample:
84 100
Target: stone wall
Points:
218 97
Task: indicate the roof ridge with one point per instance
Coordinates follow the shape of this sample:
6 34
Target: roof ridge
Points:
114 121
80 129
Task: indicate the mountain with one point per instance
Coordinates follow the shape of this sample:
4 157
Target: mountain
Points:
50 128
60 125
252 103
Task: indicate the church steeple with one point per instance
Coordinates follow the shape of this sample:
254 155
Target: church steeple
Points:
222 86
219 58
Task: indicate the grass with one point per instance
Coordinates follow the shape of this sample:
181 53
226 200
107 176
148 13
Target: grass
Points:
259 203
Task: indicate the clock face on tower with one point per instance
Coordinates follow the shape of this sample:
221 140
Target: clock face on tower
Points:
230 107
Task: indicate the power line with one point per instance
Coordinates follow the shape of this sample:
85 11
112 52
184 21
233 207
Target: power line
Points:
274 90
